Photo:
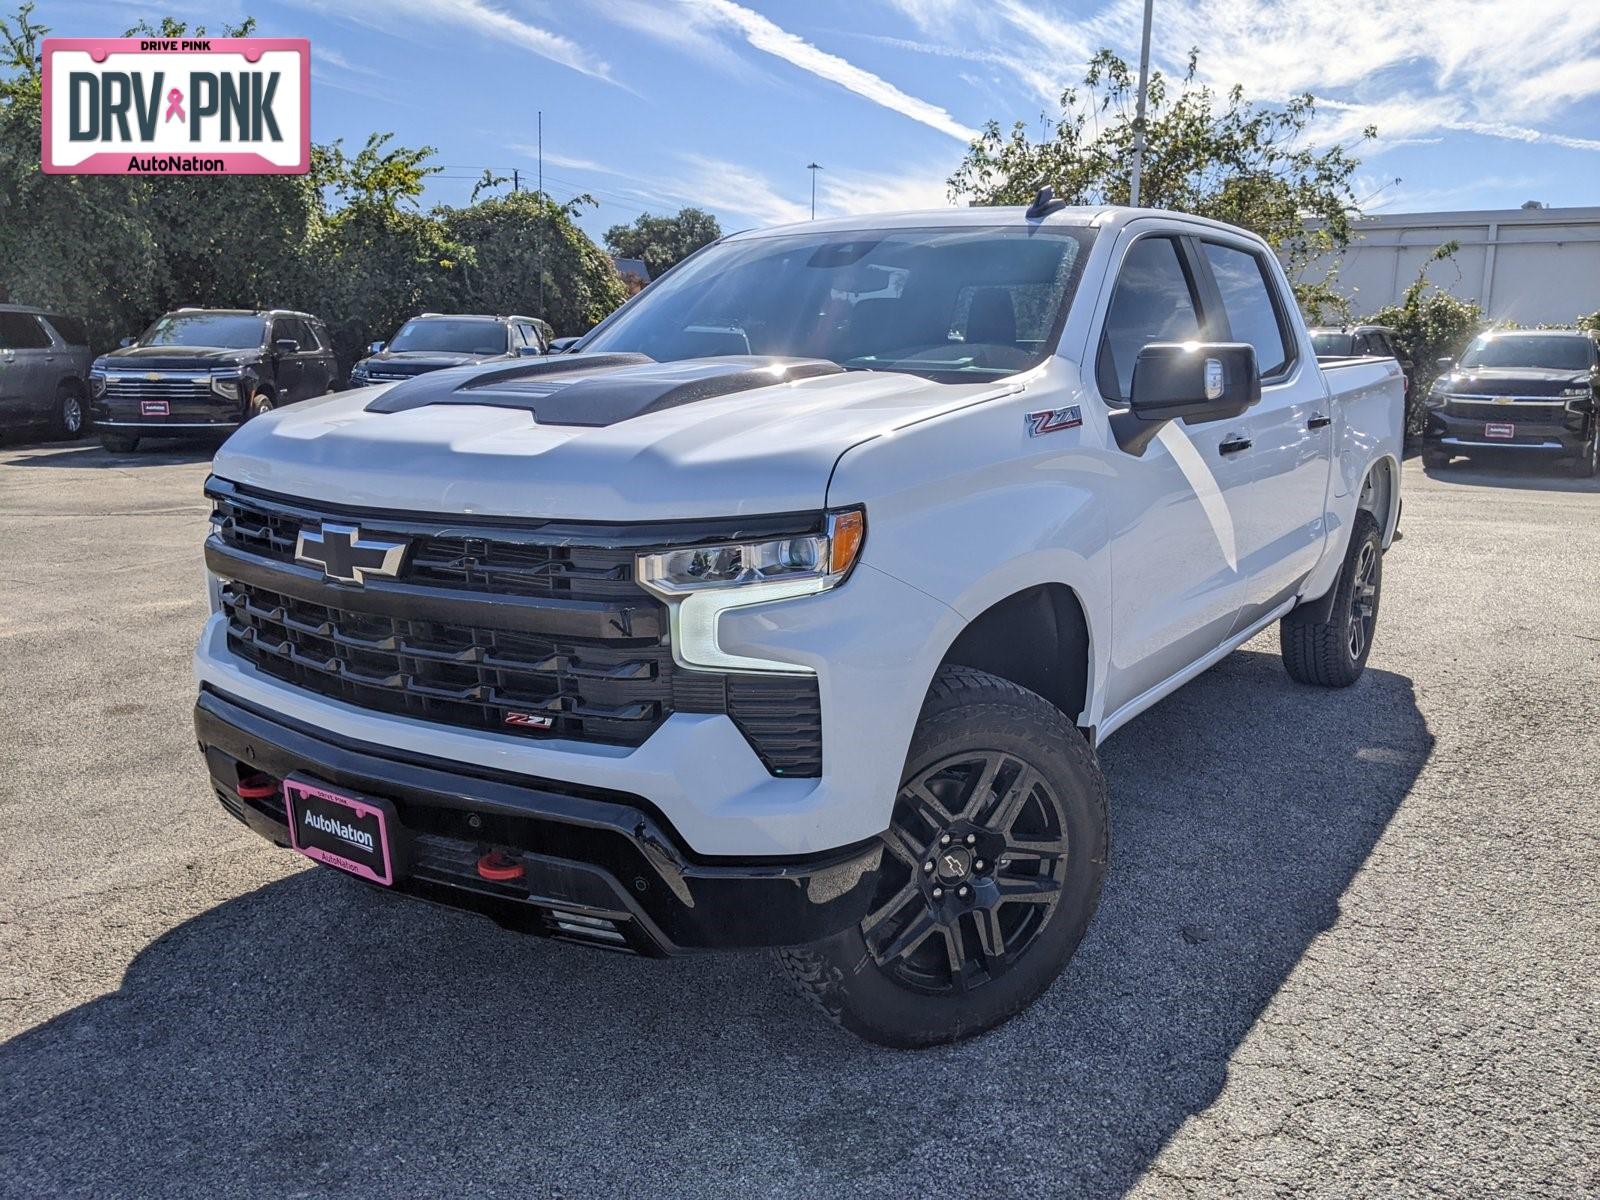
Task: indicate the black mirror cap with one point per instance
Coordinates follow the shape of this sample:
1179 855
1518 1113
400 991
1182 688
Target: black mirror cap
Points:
528 351
1187 381
125 343
286 346
376 347
561 345
1199 381
1444 362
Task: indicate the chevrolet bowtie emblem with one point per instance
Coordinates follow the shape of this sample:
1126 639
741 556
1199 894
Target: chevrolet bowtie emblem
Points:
153 376
344 555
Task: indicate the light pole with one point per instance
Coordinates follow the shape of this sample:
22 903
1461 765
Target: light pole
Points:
813 167
1138 118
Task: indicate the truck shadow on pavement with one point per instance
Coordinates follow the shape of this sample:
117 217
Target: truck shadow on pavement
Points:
1542 476
317 1037
165 452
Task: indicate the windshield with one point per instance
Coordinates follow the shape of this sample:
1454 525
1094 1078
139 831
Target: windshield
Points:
1569 352
1333 343
451 336
226 331
945 303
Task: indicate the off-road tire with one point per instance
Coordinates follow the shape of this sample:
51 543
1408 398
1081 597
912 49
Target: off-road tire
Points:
259 406
1587 463
1435 460
1319 652
969 711
119 443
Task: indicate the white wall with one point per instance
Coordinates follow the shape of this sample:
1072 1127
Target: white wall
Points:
1531 266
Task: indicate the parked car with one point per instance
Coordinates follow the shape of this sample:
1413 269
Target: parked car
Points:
434 341
44 364
1361 341
1532 392
208 370
789 611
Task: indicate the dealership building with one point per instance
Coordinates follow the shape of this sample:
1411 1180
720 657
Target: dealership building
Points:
1531 265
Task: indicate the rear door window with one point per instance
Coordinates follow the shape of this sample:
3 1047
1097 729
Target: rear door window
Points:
1154 302
1247 298
70 330
22 331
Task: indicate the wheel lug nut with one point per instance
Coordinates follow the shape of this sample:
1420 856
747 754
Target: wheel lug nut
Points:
927 866
963 890
972 839
978 866
945 840
938 893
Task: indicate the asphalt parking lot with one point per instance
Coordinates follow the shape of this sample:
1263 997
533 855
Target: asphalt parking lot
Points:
1350 943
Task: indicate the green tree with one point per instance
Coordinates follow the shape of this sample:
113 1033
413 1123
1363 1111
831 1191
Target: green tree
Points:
515 241
1429 324
1223 157
663 242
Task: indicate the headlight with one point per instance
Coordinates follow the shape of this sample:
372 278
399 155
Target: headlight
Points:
1577 392
700 583
227 383
97 384
358 374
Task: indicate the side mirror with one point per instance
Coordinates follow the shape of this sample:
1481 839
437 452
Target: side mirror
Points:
1445 363
376 347
286 346
1186 381
528 351
124 343
561 345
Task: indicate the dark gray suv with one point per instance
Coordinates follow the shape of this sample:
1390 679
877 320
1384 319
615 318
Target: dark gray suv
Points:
44 364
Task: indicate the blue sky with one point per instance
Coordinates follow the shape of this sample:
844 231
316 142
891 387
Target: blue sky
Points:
653 104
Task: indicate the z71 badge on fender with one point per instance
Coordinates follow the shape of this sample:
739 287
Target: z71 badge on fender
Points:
1053 420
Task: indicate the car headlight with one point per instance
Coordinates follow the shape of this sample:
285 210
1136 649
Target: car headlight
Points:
1577 392
700 583
227 384
97 384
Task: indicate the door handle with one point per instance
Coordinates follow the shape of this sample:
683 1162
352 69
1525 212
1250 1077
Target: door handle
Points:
1318 420
1235 444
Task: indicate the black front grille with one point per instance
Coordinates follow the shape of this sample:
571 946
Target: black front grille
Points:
456 674
615 689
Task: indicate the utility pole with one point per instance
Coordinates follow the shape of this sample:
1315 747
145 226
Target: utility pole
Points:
539 195
1138 119
516 180
813 168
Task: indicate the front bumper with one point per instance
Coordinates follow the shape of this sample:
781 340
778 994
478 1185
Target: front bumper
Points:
601 867
1548 428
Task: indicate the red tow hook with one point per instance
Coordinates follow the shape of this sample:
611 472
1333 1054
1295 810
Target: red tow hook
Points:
257 787
499 867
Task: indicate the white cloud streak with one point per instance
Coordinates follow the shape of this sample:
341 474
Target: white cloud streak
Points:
769 38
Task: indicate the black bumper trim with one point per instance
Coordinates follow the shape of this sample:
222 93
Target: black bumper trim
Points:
594 854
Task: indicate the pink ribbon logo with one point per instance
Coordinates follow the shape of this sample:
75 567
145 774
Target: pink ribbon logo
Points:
175 105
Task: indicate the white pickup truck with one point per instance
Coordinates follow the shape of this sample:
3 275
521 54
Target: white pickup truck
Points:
790 609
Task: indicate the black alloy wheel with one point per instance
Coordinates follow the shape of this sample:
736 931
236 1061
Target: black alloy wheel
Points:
978 856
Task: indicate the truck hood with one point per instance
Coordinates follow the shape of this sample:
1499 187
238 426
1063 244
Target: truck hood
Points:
1530 381
416 362
616 438
173 358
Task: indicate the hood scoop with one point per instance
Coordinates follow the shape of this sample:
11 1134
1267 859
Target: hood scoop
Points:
599 389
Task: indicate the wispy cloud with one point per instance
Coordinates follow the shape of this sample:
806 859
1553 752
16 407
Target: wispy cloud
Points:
768 37
478 16
731 187
1453 67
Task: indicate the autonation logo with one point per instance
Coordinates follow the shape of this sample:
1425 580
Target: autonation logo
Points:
345 833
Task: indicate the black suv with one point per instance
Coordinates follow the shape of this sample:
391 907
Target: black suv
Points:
208 369
434 341
1533 391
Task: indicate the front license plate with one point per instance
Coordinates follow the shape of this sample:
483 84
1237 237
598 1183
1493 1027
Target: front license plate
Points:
1500 429
340 828
154 408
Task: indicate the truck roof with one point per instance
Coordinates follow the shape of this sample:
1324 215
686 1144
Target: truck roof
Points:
1100 216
